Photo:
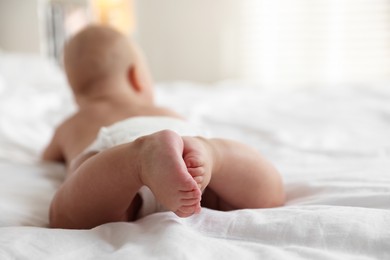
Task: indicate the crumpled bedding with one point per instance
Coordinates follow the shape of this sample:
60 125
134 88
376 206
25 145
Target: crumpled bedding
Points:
331 145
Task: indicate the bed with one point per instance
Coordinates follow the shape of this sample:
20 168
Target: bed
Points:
331 144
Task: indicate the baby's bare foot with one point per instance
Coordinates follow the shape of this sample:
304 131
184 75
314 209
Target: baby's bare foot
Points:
165 173
198 159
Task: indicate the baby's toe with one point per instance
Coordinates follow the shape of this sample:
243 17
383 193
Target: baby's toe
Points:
187 211
193 194
198 171
190 202
193 161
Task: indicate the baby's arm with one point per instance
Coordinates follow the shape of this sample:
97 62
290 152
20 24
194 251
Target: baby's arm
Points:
53 151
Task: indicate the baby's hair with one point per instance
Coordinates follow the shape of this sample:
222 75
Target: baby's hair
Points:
96 53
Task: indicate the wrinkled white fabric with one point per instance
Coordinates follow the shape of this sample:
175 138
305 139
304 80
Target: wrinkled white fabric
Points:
331 145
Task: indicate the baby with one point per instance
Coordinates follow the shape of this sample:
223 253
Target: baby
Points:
126 157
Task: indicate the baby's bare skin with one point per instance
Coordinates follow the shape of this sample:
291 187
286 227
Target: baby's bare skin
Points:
110 83
168 178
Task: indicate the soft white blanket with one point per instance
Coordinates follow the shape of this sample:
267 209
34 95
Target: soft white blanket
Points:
332 146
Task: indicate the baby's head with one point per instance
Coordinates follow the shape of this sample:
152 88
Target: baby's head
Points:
100 54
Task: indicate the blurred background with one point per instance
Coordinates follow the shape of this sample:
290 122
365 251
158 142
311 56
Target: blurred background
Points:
269 43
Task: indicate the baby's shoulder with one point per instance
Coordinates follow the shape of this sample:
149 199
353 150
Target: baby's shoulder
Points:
69 124
70 120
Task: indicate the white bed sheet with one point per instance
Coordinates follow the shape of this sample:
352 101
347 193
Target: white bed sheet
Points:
331 145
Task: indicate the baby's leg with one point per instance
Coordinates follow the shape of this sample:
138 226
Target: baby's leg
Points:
243 178
237 174
103 188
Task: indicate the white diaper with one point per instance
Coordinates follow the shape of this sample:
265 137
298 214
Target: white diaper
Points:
132 128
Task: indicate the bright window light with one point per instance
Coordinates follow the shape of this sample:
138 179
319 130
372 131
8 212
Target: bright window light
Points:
316 42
